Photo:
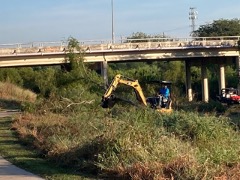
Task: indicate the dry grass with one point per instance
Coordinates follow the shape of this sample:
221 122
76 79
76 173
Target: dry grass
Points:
154 170
136 145
232 173
36 129
10 91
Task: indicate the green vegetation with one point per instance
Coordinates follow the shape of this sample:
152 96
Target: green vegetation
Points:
221 27
67 126
12 96
28 158
139 36
139 143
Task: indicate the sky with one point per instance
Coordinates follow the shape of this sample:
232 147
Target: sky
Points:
24 21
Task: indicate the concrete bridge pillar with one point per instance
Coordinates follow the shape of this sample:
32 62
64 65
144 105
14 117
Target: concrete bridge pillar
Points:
205 91
188 80
222 77
238 71
104 73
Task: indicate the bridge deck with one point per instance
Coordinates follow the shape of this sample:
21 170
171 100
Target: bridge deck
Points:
46 53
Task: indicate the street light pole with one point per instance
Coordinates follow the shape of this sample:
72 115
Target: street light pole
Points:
113 41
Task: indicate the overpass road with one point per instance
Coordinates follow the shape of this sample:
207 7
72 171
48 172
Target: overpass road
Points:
198 51
53 53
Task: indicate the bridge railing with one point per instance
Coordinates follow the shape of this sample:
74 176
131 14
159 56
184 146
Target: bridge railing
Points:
121 43
34 44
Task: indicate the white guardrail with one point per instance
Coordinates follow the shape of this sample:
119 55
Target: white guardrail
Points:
172 42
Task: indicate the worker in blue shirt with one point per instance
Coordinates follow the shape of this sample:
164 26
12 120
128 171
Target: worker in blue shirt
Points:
164 96
164 91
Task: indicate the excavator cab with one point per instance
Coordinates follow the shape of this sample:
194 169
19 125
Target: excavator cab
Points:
160 101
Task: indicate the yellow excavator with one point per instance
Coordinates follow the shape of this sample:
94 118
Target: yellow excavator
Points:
159 103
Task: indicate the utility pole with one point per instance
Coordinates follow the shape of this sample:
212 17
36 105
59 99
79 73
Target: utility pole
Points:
193 16
113 39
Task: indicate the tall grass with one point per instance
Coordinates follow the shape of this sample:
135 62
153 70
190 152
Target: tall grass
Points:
139 143
9 91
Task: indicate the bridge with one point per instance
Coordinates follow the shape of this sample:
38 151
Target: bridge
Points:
194 51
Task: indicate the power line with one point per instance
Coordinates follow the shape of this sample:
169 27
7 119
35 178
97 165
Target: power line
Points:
175 29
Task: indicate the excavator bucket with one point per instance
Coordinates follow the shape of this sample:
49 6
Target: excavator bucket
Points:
108 102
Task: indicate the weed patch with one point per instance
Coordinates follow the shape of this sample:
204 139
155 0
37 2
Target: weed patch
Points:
137 144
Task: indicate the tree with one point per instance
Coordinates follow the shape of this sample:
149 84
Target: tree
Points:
221 27
140 36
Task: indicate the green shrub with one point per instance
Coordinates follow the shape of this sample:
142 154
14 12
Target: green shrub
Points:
28 107
212 106
213 136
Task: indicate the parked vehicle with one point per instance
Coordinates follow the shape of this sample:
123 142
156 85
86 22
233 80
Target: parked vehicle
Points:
229 96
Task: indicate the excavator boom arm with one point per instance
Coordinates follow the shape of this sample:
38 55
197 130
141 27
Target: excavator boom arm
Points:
119 79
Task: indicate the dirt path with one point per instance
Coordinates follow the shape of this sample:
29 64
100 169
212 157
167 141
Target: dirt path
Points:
8 170
8 113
